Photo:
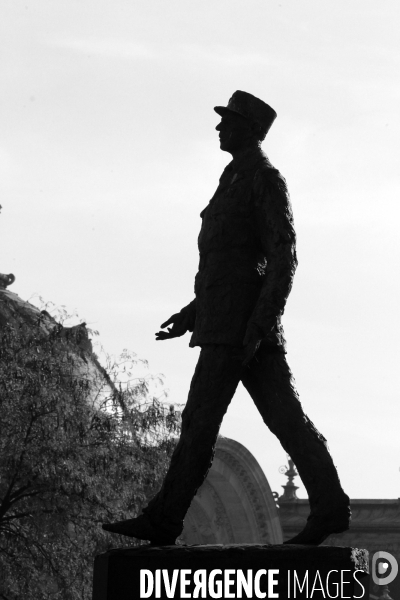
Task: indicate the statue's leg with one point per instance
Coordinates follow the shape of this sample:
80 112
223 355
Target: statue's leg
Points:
270 383
214 382
213 385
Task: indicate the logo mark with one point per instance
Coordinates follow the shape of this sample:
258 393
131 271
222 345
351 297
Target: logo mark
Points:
384 568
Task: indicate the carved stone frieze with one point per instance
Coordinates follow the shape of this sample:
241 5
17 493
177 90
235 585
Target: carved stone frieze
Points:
237 499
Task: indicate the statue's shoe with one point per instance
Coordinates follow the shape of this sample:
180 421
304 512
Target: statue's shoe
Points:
318 528
142 529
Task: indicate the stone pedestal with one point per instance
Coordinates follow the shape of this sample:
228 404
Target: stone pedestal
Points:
234 571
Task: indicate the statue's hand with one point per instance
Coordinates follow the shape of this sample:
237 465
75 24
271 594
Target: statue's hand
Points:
251 343
180 325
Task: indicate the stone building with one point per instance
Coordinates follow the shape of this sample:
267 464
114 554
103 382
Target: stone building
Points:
235 503
375 525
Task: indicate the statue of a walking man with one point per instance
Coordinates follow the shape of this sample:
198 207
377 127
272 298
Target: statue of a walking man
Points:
247 264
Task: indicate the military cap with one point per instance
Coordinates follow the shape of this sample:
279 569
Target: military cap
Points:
249 107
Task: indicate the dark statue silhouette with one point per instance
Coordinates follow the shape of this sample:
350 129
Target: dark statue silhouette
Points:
246 269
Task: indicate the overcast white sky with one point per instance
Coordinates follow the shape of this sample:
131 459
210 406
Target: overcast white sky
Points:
108 154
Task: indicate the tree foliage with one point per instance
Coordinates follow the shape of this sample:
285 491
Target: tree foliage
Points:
80 444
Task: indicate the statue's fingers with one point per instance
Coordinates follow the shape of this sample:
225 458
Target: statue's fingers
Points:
162 335
166 335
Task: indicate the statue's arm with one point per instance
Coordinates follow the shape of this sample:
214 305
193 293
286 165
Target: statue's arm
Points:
278 241
190 312
181 322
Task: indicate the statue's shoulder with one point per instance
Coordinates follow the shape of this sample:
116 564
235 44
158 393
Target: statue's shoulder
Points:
268 177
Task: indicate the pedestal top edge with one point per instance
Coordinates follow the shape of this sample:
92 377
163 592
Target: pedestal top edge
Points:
357 556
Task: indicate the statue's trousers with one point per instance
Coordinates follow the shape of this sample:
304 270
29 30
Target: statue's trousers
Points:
270 383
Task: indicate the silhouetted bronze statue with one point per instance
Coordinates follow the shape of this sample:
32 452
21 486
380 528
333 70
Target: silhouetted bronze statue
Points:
247 264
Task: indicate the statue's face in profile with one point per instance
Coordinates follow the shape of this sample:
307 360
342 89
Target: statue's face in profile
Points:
235 132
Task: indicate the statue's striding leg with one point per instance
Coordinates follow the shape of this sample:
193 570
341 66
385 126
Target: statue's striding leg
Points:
213 385
271 386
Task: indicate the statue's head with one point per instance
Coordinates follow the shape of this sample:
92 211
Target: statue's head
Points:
245 122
